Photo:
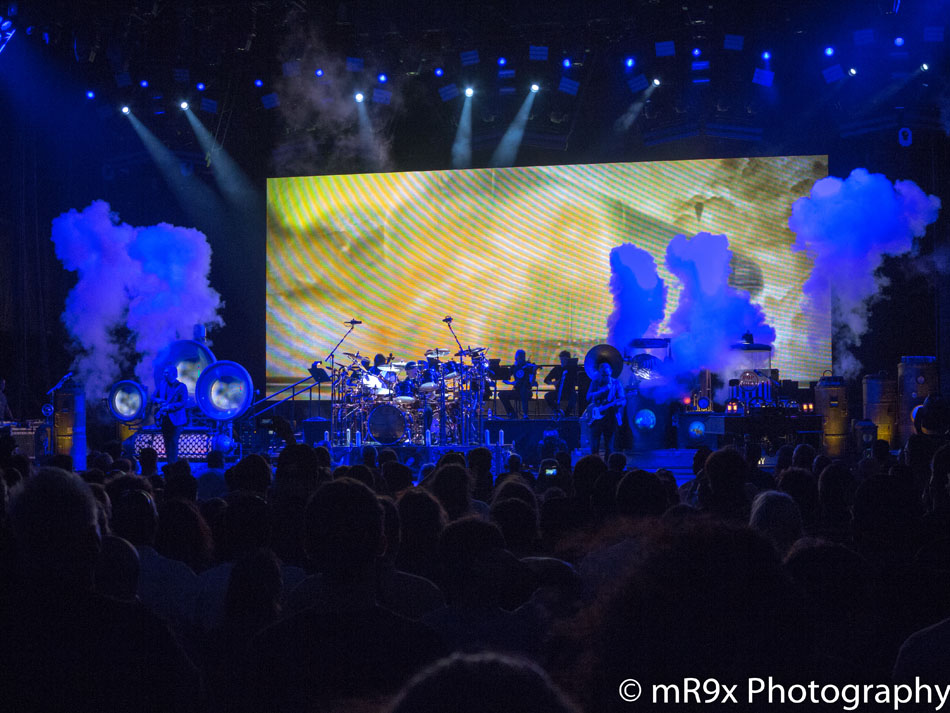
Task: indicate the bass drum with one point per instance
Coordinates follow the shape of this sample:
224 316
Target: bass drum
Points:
388 425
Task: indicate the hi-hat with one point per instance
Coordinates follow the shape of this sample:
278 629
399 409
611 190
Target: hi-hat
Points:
471 351
437 353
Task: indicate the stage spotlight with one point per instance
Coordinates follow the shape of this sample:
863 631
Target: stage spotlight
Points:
924 67
184 106
898 41
127 400
125 110
258 82
502 61
359 97
697 429
566 63
318 73
5 25
90 94
535 87
766 55
829 51
200 86
439 71
469 91
382 78
143 83
629 62
697 52
656 82
852 71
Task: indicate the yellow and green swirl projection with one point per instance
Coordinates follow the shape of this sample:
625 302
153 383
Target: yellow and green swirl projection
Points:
520 256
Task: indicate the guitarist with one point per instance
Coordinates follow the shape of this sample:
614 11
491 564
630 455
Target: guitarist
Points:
523 379
172 397
606 397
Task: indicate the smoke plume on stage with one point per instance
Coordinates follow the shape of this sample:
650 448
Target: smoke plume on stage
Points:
848 226
139 289
639 295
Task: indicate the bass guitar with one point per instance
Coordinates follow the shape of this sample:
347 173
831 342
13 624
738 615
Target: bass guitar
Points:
595 413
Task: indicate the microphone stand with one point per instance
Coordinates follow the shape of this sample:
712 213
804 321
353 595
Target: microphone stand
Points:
334 391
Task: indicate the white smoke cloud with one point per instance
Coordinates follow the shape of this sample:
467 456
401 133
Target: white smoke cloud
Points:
711 315
639 295
847 226
151 280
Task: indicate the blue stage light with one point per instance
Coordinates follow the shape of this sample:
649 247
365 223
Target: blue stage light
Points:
766 55
469 91
125 110
184 106
90 94
898 41
439 72
318 73
6 25
629 62
502 61
829 51
200 86
359 97
924 67
697 429
697 52
535 88
645 419
258 83
566 63
656 82
382 78
852 71
143 83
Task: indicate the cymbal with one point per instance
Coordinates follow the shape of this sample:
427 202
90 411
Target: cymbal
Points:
389 368
437 353
351 355
600 354
471 351
398 364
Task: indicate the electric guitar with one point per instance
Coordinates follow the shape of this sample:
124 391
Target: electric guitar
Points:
595 413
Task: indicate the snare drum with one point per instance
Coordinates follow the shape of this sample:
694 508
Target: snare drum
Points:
388 424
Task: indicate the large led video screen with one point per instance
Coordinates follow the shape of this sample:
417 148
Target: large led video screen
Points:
519 257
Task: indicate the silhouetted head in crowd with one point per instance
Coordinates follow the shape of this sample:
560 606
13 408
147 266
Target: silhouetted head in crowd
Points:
124 465
245 526
519 525
776 515
297 466
479 460
93 475
322 455
514 463
702 599
515 487
102 461
641 494
937 491
396 475
422 518
803 456
586 472
819 464
216 460
451 486
387 455
451 458
803 487
251 474
616 462
470 556
699 458
135 518
180 484
783 458
481 683
752 452
363 474
369 456
344 530
835 493
254 589
53 519
183 534
117 571
148 459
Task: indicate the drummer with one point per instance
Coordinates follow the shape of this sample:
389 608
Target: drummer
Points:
410 385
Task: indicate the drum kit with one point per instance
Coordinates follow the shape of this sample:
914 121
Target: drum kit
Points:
433 401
